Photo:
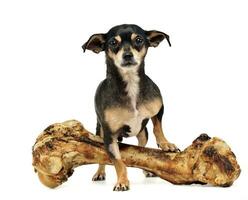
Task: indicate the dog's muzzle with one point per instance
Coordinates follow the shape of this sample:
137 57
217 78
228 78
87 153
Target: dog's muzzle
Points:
128 59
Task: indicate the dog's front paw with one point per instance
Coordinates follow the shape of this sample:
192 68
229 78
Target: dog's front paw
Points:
166 146
99 177
121 186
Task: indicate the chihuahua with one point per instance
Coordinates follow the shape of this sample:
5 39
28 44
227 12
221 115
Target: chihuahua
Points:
127 98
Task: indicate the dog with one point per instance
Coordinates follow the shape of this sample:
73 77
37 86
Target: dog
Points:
127 98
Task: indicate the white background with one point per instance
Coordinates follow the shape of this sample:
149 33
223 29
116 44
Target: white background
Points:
45 77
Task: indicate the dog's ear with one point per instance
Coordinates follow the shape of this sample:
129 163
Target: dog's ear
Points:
155 37
95 43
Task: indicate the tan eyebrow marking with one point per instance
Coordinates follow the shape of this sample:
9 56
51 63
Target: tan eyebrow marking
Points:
134 35
118 38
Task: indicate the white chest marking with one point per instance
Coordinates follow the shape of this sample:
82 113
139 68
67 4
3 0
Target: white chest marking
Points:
130 76
118 117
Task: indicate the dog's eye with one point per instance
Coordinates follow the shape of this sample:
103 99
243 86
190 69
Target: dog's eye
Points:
113 42
138 40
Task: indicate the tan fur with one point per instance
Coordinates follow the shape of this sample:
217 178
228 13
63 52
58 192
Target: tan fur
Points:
160 138
152 35
100 173
116 117
121 172
100 38
101 132
138 54
114 149
133 36
157 130
117 58
118 38
138 57
142 139
101 168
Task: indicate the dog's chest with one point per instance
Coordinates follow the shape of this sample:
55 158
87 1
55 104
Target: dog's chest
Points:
117 117
135 122
134 114
132 89
131 79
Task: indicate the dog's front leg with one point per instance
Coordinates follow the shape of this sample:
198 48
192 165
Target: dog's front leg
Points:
112 148
162 142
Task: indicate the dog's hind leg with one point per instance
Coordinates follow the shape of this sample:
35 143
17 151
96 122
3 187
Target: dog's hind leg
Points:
142 141
100 174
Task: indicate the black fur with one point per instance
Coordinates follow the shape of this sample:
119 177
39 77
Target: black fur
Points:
98 128
160 113
144 123
111 91
123 131
146 133
107 138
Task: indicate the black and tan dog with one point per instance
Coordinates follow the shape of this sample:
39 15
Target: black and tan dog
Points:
127 98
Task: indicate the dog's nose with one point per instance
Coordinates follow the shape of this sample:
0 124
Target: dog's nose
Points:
127 55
